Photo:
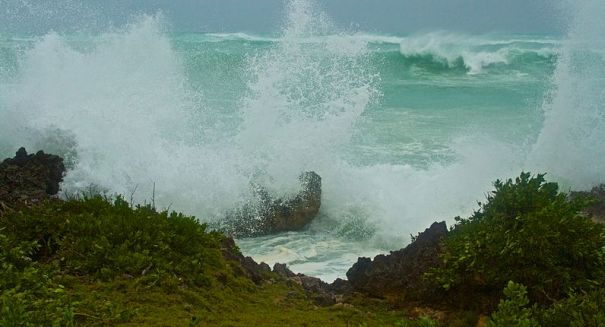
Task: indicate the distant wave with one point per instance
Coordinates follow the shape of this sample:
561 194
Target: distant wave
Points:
474 54
392 39
219 37
435 51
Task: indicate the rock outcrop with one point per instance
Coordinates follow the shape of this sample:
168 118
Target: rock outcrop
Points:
266 215
400 274
322 293
29 179
245 266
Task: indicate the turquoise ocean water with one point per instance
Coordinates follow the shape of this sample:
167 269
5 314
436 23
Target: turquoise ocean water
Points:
404 129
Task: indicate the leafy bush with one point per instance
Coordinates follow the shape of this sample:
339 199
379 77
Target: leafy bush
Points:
527 232
91 239
578 310
513 311
28 296
103 239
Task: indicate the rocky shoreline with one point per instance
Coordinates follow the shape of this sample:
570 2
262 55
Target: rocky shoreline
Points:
28 180
266 215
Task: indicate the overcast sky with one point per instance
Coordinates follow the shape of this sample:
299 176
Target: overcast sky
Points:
264 16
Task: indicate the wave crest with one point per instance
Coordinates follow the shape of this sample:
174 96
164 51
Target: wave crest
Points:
473 54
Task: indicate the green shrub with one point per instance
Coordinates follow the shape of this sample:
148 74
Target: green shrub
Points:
527 232
90 239
427 322
514 311
28 296
106 239
585 309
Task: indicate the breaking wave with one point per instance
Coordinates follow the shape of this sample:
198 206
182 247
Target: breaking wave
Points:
473 54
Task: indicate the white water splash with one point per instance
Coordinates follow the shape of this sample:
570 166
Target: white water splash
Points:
124 101
570 146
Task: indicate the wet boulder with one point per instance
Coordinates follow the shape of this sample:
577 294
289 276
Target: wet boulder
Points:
267 215
400 273
28 179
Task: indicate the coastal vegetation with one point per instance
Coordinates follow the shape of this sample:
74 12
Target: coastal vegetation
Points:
535 243
97 261
529 256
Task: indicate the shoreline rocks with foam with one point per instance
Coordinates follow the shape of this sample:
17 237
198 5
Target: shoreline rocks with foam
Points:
267 215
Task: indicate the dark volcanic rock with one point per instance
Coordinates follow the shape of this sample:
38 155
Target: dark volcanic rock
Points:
316 289
29 179
257 272
321 293
400 274
268 215
283 270
340 287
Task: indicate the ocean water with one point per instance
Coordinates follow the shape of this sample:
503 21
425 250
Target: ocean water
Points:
404 129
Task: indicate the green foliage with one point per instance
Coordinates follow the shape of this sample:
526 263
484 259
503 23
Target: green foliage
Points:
420 322
578 310
513 311
527 232
98 238
427 322
28 296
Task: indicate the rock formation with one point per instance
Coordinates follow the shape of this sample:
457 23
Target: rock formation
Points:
267 215
320 292
29 179
400 274
245 266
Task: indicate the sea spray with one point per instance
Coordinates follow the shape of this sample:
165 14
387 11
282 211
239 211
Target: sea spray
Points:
303 100
570 145
124 97
122 102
